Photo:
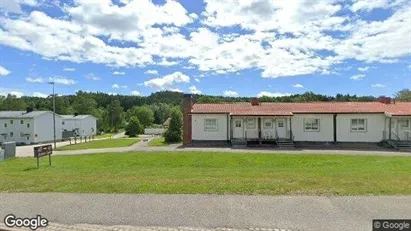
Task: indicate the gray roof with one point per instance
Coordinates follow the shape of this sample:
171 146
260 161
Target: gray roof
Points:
77 117
22 114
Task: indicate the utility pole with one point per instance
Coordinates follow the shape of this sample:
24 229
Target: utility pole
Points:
54 114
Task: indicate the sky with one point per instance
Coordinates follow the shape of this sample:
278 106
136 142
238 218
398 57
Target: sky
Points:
215 47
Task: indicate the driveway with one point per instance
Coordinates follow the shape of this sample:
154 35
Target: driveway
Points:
209 211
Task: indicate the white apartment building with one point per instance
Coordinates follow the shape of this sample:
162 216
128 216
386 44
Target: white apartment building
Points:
81 125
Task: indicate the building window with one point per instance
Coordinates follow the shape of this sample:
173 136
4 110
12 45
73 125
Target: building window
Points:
238 123
268 123
63 123
11 121
28 125
21 122
251 123
311 125
28 137
358 125
21 134
405 123
37 135
11 134
210 125
5 125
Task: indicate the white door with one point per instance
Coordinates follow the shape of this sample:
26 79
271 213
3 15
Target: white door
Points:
281 130
394 129
238 129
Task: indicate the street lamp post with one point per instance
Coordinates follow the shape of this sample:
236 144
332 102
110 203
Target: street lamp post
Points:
54 114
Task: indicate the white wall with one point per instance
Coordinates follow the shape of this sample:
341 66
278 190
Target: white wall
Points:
17 128
86 126
325 134
198 132
43 128
374 132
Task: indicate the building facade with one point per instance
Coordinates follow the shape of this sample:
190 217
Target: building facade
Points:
80 125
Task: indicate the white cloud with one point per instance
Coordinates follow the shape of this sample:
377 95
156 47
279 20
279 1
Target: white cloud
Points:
357 77
15 92
118 86
272 94
69 69
176 90
194 16
194 90
230 93
368 5
298 85
364 69
409 67
197 80
119 73
166 82
62 80
35 80
39 94
378 85
4 71
92 77
135 93
151 72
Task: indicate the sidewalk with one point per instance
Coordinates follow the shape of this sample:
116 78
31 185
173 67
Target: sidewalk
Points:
209 211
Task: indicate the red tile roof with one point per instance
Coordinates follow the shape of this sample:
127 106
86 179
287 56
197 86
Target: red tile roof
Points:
284 109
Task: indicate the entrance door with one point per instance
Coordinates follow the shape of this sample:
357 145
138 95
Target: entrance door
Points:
394 129
281 130
238 129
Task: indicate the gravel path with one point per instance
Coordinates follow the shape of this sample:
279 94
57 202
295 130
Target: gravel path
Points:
208 211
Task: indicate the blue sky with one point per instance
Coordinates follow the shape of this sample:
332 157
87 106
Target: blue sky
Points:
245 48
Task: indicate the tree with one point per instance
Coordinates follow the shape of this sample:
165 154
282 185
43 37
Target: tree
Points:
115 115
134 127
144 114
403 95
84 103
174 132
12 103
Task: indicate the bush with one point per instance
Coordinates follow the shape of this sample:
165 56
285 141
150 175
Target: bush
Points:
134 127
174 132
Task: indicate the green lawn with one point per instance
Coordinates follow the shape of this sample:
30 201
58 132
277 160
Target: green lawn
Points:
157 142
106 135
211 173
107 143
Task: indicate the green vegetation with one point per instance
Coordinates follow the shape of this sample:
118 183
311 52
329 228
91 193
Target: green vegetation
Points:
134 127
157 142
174 132
106 143
211 173
105 135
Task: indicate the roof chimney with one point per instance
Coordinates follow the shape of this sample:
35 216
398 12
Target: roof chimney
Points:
384 100
255 101
187 120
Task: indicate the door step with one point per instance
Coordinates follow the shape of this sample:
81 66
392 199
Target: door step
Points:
286 144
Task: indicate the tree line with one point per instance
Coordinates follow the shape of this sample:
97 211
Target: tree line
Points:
116 111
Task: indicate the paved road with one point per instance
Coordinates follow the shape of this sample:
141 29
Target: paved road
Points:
209 211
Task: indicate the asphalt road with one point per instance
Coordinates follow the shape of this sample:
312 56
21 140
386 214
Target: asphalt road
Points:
209 211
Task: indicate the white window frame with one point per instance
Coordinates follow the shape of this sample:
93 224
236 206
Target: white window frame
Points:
240 122
402 121
251 125
210 127
270 121
311 122
356 128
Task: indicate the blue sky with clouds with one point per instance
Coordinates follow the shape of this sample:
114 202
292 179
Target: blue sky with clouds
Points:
232 48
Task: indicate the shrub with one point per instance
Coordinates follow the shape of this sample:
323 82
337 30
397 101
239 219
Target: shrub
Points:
134 127
174 132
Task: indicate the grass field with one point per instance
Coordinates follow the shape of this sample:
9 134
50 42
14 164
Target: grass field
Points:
106 135
211 173
157 142
107 143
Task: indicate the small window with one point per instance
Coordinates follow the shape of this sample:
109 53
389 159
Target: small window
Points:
28 125
21 134
251 123
210 125
280 124
63 123
238 123
37 135
11 121
311 125
28 137
11 134
21 122
358 125
268 123
5 125
405 123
